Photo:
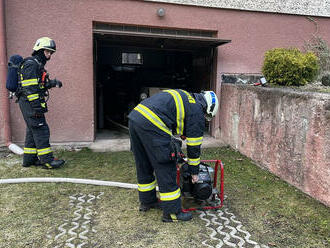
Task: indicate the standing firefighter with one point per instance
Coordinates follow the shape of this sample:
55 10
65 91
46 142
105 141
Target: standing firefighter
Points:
32 91
152 124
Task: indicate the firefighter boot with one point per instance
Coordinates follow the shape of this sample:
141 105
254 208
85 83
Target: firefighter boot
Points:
181 216
56 163
147 206
36 162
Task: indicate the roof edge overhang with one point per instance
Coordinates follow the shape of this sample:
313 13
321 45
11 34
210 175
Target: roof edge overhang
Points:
170 37
205 41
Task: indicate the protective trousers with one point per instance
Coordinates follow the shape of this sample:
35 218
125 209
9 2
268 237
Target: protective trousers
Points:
37 136
152 157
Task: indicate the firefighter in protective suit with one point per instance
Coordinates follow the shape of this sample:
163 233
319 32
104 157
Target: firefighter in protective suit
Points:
32 92
151 125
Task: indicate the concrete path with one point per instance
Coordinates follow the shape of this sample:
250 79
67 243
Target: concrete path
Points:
115 141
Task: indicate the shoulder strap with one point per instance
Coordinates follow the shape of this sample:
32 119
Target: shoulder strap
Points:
29 59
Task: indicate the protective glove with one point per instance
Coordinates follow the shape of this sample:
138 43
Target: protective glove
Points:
59 83
194 178
54 83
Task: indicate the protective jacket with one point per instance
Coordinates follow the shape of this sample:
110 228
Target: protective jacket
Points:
152 124
174 112
32 84
31 98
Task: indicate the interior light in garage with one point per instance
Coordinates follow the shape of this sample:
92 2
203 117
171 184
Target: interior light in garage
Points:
132 58
161 12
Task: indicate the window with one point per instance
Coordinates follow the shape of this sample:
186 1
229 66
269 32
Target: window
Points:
131 58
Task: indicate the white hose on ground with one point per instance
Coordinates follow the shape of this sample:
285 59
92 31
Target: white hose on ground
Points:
15 149
68 180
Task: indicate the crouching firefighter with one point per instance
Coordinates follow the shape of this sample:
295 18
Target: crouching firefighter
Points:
151 125
32 92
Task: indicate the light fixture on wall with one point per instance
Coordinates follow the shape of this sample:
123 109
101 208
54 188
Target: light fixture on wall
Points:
161 12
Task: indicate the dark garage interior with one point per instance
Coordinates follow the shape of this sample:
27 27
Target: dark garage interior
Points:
130 67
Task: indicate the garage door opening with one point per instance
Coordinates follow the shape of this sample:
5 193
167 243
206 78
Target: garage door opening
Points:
131 66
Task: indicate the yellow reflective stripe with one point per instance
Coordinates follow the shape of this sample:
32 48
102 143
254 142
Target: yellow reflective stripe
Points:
147 187
48 165
194 141
170 196
44 151
179 110
173 217
33 97
43 105
30 150
29 82
190 98
194 161
153 118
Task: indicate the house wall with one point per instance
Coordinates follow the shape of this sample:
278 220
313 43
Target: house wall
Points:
299 7
69 23
284 131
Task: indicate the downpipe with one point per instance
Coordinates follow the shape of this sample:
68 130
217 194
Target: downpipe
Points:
4 100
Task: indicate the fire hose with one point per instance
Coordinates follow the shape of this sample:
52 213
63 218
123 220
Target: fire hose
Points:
68 180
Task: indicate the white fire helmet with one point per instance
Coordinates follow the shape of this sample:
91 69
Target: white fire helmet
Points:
45 43
212 104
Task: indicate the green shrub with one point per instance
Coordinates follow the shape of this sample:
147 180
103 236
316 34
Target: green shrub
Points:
321 49
288 67
326 80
